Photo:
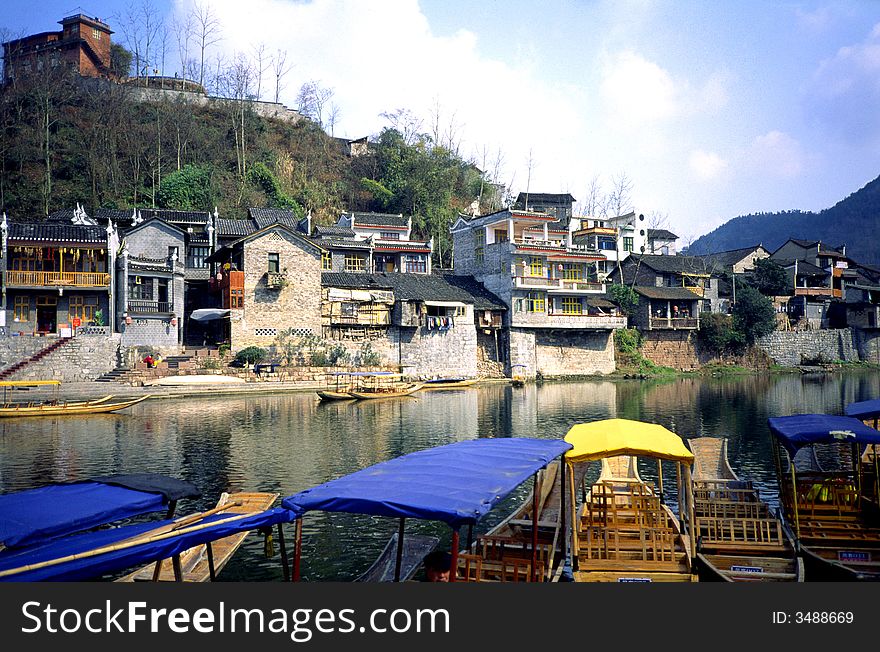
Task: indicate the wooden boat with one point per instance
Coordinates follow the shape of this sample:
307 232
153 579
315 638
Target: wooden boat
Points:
836 527
20 404
624 531
330 395
739 539
448 383
343 382
415 547
202 563
387 391
55 409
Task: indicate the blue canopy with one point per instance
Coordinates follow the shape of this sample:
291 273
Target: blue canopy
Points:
864 409
91 566
35 515
457 483
800 430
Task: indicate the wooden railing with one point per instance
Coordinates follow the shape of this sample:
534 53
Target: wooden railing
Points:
558 284
674 322
75 279
142 306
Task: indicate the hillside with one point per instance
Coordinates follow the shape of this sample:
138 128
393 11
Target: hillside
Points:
854 221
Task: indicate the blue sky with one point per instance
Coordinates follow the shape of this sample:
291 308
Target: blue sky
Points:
712 109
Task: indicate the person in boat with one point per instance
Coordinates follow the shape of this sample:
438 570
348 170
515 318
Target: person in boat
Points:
438 565
149 361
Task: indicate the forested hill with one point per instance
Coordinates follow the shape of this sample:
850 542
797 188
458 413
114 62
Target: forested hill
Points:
854 221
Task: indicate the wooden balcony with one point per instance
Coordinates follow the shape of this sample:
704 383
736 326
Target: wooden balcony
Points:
140 306
558 285
673 323
55 279
814 292
597 230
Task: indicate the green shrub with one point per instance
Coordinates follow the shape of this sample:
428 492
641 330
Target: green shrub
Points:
628 340
368 357
338 355
251 355
223 350
319 359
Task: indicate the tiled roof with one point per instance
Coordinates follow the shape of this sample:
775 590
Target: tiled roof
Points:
661 234
672 264
340 231
341 243
401 245
179 217
50 232
727 259
237 228
803 268
672 294
555 199
483 298
379 219
264 217
353 280
419 287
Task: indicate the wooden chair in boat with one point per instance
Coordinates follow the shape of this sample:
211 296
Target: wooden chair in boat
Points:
470 568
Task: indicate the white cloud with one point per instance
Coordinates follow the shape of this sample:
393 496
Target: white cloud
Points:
814 21
706 165
777 154
637 91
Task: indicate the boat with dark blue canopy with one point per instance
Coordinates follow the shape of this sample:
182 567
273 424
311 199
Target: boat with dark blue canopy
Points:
45 513
836 524
456 484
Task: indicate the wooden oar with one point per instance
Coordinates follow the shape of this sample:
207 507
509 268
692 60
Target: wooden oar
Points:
183 521
131 543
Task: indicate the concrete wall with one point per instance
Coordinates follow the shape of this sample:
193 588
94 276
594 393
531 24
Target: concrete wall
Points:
793 348
433 353
574 353
264 109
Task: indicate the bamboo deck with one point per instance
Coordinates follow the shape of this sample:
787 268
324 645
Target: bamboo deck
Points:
194 562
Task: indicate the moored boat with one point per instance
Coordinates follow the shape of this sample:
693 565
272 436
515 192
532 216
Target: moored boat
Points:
53 408
448 383
738 537
836 527
625 532
390 391
340 384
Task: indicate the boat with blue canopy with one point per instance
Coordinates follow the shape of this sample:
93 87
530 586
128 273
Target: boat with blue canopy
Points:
45 513
868 412
457 484
822 493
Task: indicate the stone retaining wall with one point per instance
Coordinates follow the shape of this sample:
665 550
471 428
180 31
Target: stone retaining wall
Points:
83 358
672 348
791 349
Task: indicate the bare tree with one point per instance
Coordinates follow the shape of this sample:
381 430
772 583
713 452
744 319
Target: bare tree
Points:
530 165
620 198
312 100
264 62
183 33
279 71
207 26
238 84
406 123
594 200
333 117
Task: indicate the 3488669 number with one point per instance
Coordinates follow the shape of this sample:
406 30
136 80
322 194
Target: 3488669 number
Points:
823 617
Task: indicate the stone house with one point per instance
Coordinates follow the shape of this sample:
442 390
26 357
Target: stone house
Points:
150 285
57 276
662 242
392 248
666 308
270 280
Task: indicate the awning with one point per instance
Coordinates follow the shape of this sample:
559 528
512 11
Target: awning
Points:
361 296
611 437
457 483
209 314
864 409
134 545
799 430
446 304
46 513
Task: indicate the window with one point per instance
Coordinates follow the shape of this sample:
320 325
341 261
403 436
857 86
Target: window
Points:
236 298
572 272
326 261
22 310
47 300
96 33
174 252
571 305
416 264
197 256
628 244
389 235
140 288
83 307
274 263
536 267
479 245
501 235
355 263
535 302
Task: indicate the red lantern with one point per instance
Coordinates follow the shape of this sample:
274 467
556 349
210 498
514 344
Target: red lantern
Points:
174 321
559 267
219 276
128 320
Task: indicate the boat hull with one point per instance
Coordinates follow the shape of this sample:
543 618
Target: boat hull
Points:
328 395
371 395
68 409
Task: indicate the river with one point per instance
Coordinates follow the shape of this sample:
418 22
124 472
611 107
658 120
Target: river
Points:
289 442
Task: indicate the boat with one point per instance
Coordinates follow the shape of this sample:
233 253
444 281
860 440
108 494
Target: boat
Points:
837 528
738 538
53 408
415 547
202 563
391 391
69 404
625 532
448 383
517 378
868 412
456 484
56 543
340 384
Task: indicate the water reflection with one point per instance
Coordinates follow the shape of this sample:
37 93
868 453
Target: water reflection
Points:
287 443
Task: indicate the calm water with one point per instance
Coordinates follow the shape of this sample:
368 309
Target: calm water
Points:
287 443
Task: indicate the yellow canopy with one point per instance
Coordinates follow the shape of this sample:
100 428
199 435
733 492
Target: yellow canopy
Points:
610 437
28 383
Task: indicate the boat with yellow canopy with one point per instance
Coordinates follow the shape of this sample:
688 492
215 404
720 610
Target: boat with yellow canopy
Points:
54 406
625 532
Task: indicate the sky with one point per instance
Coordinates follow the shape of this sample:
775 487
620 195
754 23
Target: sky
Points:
710 109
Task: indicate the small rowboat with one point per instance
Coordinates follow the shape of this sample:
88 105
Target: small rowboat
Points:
740 540
340 388
202 563
330 395
55 409
22 404
415 547
449 383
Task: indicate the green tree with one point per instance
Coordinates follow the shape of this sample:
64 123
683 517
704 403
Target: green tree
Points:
189 188
770 278
753 314
624 296
120 60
